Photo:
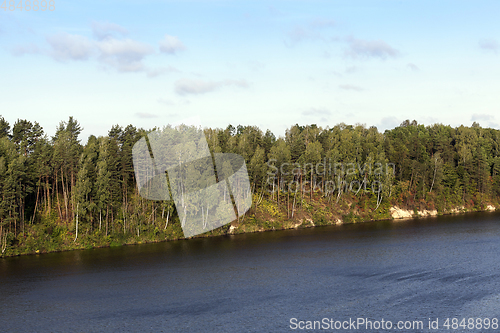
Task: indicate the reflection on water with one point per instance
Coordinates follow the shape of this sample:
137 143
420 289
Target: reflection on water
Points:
407 270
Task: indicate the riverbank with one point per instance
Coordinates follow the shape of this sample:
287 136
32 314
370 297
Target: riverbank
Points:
316 214
265 215
268 275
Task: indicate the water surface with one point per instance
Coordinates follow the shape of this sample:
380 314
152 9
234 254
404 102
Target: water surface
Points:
407 270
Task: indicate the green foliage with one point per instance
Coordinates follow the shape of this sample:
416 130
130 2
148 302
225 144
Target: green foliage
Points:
349 218
319 218
45 183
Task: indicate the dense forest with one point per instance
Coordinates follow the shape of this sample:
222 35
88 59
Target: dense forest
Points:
57 193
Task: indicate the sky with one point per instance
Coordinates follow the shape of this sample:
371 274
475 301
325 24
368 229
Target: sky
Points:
271 64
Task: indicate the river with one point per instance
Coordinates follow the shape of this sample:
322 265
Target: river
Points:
399 271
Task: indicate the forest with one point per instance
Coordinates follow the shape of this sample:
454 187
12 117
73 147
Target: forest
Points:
59 194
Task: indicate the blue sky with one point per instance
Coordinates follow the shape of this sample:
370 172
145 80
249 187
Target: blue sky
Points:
269 64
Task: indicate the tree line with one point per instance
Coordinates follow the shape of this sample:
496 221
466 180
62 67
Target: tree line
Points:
92 188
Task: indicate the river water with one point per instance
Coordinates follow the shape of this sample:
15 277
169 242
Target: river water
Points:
405 271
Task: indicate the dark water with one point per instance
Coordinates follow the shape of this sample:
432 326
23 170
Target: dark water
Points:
399 271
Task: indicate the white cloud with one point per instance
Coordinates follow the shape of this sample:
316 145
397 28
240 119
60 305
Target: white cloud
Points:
359 48
299 34
189 86
316 112
145 115
124 55
388 123
489 45
237 83
413 67
335 73
484 117
20 50
323 23
108 47
350 70
70 47
162 70
171 44
310 31
256 65
165 101
321 115
104 30
350 87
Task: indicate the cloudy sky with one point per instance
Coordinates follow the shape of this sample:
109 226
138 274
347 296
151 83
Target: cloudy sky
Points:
270 64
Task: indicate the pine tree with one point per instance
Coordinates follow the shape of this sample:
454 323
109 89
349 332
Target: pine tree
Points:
4 128
103 180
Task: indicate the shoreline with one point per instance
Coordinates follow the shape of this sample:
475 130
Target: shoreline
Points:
397 214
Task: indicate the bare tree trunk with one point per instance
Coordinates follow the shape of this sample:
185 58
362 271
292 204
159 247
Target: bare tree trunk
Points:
44 189
72 196
107 213
294 197
279 192
154 212
76 236
311 188
57 198
36 201
49 204
166 223
378 200
272 197
3 239
341 187
124 215
288 202
21 212
301 192
434 178
65 196
260 198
